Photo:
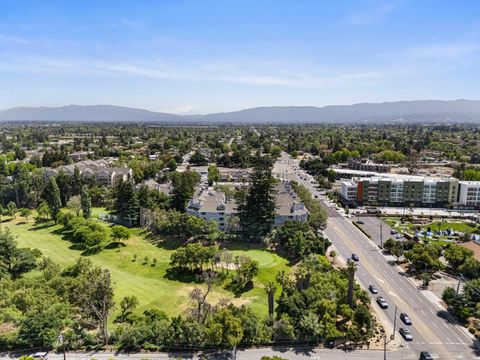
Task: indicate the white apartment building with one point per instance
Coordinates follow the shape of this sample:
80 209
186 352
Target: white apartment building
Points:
469 193
348 190
210 204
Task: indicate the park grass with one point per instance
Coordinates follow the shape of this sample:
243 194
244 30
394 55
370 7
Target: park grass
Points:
150 283
437 225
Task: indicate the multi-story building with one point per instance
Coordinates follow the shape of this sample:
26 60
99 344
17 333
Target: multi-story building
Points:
210 204
98 170
469 193
367 165
401 191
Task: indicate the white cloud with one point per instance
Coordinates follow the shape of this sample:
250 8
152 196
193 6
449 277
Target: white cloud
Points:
368 16
179 110
245 73
442 51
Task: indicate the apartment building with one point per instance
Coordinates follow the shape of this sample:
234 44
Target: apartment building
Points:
401 191
99 171
469 193
210 204
367 165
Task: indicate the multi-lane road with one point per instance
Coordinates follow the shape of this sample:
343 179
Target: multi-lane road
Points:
430 332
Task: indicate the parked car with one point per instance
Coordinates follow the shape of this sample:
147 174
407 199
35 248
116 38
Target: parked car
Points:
41 355
355 257
398 236
382 302
373 289
425 355
407 335
360 222
393 232
406 319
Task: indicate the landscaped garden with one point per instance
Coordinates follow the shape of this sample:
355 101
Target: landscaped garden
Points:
437 231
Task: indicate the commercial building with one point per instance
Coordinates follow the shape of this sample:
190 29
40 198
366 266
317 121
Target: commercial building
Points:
210 204
404 191
367 165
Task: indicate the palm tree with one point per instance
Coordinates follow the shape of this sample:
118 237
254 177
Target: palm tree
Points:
351 269
270 290
333 255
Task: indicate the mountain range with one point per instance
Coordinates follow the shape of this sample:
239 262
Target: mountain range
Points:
389 112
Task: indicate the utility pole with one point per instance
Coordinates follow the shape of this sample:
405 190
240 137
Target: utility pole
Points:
385 346
460 278
395 323
381 232
62 339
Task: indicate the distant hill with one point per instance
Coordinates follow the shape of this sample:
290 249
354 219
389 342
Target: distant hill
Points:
85 113
401 111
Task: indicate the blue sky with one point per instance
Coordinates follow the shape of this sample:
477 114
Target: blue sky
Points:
208 56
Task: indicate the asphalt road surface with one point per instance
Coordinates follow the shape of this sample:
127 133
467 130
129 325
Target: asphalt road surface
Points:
371 225
430 332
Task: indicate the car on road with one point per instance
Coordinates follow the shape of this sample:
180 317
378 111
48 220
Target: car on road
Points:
382 302
373 289
406 319
360 222
407 335
393 232
355 257
425 355
41 355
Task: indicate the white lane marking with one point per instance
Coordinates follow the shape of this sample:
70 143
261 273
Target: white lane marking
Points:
393 294
380 280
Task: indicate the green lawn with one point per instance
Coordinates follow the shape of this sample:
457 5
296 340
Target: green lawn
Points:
437 225
147 282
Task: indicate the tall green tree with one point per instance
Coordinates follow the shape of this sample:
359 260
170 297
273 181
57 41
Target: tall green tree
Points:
183 188
257 206
77 181
270 291
86 202
94 297
53 199
213 174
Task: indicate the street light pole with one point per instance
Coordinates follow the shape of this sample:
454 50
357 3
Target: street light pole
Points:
385 346
381 233
394 323
460 278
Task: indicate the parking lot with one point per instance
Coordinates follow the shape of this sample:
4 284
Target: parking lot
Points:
371 225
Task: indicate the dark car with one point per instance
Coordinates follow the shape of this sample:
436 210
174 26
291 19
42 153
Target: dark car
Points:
382 302
393 232
406 319
360 222
407 335
355 257
373 289
425 355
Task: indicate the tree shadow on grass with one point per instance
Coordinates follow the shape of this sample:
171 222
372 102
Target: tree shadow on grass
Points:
175 274
237 289
115 245
165 242
42 225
